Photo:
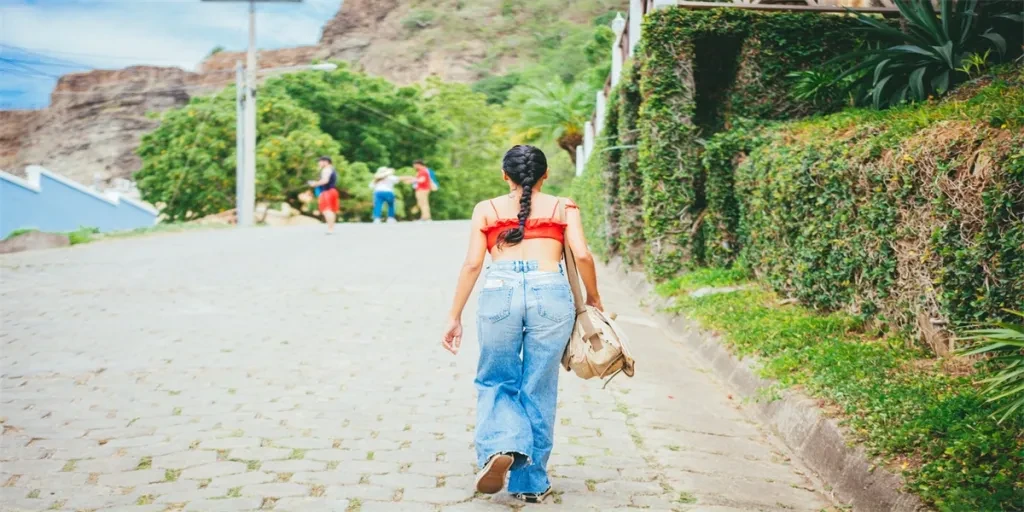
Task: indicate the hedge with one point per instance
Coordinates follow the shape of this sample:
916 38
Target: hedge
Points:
913 215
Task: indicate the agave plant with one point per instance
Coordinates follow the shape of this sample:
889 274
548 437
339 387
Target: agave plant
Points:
1005 343
927 58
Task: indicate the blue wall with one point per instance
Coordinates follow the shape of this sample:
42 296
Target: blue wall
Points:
49 202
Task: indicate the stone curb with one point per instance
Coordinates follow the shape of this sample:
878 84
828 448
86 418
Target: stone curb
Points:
819 441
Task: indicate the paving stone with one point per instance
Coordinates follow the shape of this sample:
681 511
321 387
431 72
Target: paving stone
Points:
132 478
241 479
22 467
406 456
403 480
439 495
384 506
335 455
304 443
125 442
107 465
311 505
185 459
259 454
442 468
370 467
361 492
478 506
84 501
135 508
275 490
586 472
327 478
591 501
214 470
293 466
225 505
230 443
27 504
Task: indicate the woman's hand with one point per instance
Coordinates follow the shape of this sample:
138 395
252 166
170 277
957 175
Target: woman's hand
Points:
453 336
595 301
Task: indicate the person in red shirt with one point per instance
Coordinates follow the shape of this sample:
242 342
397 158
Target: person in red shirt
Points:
424 186
329 197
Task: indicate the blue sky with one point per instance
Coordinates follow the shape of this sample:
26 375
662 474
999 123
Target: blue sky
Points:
43 39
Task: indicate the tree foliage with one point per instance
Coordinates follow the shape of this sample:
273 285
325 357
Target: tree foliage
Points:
188 162
373 120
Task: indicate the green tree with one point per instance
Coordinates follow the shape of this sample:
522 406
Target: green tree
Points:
468 165
188 162
373 120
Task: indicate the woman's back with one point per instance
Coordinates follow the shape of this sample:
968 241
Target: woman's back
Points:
543 237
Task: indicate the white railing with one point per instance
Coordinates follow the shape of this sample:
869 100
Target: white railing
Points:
629 30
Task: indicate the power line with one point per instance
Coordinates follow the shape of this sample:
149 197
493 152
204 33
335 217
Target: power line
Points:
19 67
87 55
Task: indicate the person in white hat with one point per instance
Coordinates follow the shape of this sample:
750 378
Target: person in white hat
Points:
383 185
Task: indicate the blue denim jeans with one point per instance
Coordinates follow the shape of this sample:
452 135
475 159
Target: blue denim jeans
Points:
524 320
381 197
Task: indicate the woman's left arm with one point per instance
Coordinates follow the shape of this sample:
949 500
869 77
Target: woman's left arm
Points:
470 272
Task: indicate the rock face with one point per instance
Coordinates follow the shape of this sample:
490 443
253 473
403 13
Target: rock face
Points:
404 42
94 121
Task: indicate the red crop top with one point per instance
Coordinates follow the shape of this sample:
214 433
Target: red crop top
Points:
539 227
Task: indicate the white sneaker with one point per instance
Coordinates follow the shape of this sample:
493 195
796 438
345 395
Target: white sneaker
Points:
376 221
392 220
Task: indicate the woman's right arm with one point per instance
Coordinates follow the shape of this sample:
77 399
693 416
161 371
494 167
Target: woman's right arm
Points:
584 259
468 276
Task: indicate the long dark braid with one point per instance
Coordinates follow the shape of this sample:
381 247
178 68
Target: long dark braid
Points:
525 166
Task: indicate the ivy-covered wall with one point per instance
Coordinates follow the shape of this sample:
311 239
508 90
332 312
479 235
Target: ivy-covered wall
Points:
914 216
695 74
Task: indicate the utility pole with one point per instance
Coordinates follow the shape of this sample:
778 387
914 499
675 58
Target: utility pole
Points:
239 139
248 204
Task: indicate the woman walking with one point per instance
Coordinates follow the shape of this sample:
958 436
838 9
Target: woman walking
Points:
524 319
383 185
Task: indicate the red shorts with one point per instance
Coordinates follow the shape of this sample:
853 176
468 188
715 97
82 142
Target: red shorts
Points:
329 200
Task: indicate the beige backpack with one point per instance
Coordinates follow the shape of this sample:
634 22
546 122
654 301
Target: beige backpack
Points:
597 347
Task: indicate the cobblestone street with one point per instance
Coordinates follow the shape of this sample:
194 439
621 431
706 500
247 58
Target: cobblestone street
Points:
282 369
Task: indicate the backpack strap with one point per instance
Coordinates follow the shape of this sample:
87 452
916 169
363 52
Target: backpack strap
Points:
573 275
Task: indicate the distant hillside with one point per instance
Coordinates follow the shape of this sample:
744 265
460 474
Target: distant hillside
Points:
91 130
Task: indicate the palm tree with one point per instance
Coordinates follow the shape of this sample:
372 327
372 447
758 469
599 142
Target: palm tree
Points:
557 111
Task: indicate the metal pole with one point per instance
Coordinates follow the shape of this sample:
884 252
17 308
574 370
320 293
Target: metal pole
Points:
239 140
245 217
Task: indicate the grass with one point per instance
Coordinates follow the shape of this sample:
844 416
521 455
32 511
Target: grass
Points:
297 454
145 463
171 475
934 427
687 498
